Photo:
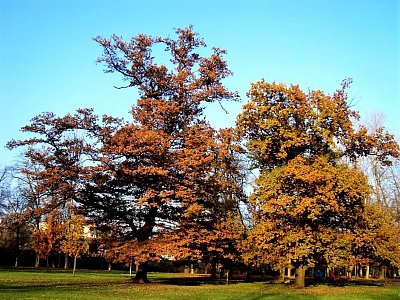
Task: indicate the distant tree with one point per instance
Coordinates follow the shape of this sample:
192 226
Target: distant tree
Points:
75 242
384 176
305 195
377 243
35 198
15 202
14 224
48 235
4 191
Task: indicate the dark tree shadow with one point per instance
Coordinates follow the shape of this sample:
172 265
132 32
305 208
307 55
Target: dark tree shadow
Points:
193 281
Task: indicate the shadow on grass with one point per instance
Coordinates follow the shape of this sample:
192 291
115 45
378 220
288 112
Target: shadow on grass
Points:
74 285
345 282
366 283
192 281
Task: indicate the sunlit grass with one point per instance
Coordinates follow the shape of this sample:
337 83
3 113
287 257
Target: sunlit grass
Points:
29 284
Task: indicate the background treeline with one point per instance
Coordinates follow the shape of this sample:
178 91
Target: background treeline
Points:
297 184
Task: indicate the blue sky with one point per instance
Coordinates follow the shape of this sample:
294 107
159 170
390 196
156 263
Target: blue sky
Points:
47 56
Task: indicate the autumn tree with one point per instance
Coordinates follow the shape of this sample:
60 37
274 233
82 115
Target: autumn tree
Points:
377 243
306 195
35 211
75 241
47 237
156 173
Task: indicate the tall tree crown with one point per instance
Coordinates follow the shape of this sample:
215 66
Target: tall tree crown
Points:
171 93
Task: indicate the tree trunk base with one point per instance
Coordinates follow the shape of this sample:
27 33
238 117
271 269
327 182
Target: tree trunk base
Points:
300 276
141 277
141 274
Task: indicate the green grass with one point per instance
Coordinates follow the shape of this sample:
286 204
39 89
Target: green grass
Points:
30 284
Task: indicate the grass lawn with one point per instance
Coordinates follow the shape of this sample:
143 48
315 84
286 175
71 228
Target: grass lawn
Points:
34 284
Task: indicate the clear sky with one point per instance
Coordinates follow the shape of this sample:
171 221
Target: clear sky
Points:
47 56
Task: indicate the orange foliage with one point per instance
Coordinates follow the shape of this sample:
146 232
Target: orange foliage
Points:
307 203
306 209
48 236
158 173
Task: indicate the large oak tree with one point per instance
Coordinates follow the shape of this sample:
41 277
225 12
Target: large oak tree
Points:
159 172
308 202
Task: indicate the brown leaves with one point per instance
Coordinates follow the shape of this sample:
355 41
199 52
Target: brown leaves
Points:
379 144
49 234
193 80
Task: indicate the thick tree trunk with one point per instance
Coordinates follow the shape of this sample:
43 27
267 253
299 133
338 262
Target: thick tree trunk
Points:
300 277
141 274
367 272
